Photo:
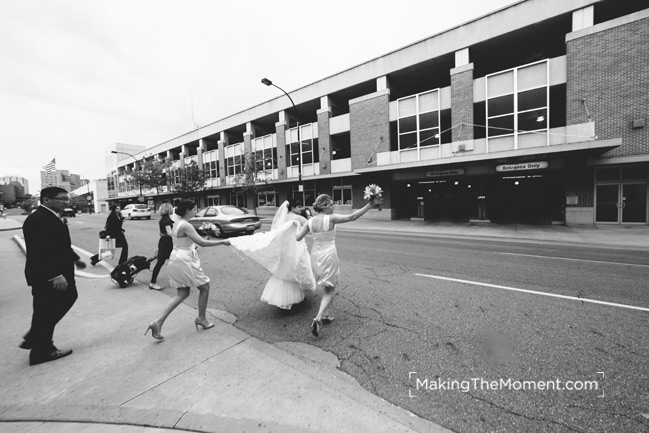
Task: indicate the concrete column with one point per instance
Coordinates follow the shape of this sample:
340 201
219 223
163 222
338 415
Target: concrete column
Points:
324 141
462 102
222 144
369 126
247 138
280 136
381 83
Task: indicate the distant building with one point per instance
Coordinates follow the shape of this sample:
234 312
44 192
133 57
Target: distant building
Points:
115 160
11 192
93 197
5 180
62 178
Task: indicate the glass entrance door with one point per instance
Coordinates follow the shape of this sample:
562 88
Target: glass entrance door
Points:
634 203
621 203
607 206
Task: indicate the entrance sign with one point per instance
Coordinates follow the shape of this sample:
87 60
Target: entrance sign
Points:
538 165
572 198
441 173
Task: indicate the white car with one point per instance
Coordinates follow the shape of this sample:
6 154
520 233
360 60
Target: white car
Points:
136 211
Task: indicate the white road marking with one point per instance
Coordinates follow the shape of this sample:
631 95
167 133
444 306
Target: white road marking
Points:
21 243
574 298
576 260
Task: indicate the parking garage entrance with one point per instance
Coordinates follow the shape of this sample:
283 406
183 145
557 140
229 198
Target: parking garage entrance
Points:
533 198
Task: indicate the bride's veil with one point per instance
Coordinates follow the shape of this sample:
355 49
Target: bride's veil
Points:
280 216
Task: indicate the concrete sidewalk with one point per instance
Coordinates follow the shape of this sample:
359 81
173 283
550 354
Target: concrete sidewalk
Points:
217 380
605 236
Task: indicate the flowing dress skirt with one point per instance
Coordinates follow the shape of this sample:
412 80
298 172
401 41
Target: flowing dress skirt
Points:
184 269
287 260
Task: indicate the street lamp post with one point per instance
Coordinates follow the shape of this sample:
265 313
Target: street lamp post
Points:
139 181
267 82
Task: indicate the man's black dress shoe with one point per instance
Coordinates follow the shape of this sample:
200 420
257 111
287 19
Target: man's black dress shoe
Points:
51 356
25 345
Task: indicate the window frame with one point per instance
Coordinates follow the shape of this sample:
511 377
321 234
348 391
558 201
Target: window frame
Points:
417 130
516 113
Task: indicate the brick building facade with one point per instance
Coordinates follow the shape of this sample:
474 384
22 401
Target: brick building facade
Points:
534 113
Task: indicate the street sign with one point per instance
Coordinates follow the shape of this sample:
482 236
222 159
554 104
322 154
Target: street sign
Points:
537 165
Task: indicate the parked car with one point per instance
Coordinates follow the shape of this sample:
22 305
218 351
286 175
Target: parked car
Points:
136 211
226 220
69 212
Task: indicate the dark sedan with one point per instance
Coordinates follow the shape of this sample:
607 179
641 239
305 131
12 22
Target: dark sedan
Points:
226 220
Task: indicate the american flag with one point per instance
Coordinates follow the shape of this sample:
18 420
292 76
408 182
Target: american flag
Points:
50 167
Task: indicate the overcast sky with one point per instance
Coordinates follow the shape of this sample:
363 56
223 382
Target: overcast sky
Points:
78 75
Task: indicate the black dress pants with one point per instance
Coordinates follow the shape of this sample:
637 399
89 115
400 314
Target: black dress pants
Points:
50 305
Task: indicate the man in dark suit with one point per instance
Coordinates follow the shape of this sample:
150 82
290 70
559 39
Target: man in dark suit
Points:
49 270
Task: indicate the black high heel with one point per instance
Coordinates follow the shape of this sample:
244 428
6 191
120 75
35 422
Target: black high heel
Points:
315 327
203 324
155 330
326 320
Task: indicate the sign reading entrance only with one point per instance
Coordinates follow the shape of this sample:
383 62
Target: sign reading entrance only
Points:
538 165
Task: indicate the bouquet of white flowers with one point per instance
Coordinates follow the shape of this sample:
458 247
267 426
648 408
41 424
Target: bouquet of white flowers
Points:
207 229
373 191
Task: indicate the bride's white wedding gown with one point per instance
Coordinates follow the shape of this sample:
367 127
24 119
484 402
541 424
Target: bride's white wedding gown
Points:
287 260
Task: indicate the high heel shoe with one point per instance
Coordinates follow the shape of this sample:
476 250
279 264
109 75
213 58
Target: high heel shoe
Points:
155 330
315 327
326 320
203 323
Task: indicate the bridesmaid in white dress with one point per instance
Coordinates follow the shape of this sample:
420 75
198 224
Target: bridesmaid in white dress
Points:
324 258
184 268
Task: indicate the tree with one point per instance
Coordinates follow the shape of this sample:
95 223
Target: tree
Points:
152 174
29 202
188 180
254 178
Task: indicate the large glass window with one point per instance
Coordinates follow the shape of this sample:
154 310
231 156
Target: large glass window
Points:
267 198
211 164
418 120
213 200
265 153
342 194
309 142
238 199
234 159
517 101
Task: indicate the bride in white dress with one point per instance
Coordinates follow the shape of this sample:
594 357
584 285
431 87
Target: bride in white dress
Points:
287 259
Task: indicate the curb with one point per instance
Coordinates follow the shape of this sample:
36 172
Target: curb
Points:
120 415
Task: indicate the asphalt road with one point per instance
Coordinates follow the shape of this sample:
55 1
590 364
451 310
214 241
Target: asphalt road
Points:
474 335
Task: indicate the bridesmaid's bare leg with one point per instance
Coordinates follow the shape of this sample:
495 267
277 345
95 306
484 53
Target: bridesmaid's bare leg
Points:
182 294
326 301
203 297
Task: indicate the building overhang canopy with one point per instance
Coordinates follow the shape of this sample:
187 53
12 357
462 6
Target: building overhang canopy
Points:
589 149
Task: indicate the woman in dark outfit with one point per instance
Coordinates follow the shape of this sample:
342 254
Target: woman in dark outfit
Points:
165 244
115 231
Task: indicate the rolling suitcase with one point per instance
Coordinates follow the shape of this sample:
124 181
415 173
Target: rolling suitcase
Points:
124 273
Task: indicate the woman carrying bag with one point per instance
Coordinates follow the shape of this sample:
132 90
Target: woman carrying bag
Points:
115 231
